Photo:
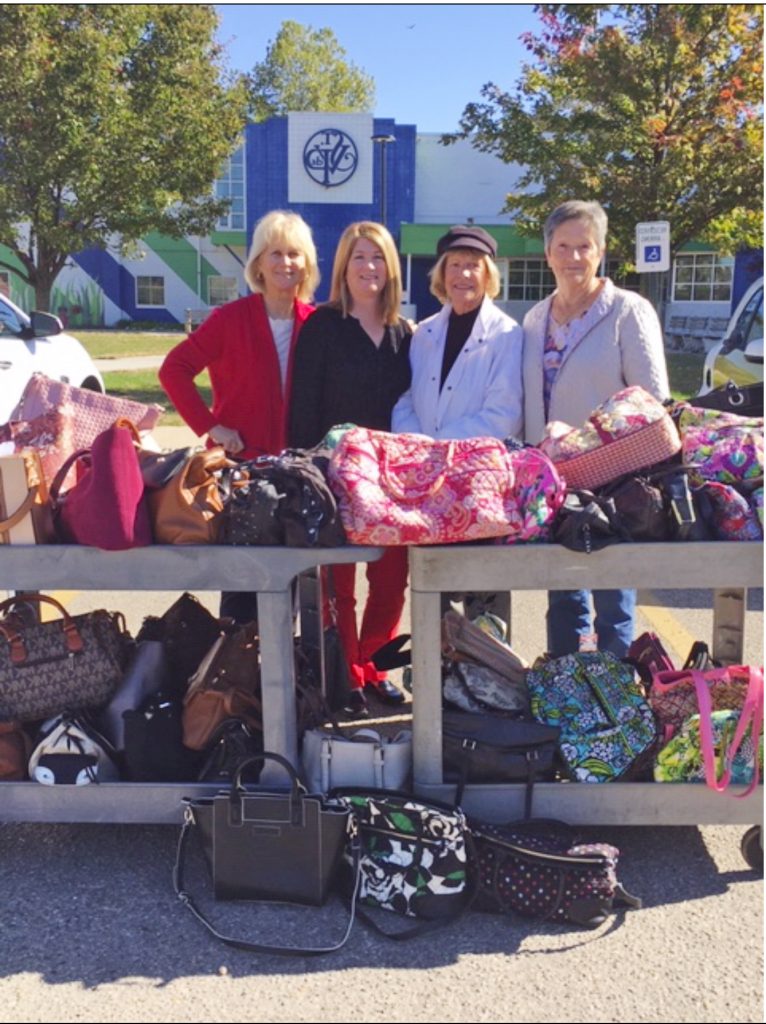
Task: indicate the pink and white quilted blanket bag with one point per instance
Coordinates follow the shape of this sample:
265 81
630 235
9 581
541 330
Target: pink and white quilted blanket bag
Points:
397 489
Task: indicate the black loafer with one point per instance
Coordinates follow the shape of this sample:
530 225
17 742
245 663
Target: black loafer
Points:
385 690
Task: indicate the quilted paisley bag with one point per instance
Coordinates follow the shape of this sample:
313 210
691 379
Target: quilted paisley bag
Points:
630 431
608 730
396 489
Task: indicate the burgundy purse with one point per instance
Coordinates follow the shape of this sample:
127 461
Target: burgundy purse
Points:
106 508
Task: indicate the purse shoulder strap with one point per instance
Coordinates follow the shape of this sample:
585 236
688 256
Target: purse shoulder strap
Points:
750 717
256 947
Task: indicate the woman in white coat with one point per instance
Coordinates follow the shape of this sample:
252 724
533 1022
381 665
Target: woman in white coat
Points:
466 360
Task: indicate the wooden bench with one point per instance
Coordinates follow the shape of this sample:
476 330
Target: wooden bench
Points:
194 317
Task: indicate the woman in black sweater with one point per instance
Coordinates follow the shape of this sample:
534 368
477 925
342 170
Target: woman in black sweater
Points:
351 365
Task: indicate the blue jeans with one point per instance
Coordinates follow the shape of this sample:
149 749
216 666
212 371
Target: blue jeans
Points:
569 617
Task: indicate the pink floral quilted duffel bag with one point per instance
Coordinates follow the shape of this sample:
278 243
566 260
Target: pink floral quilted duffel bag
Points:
630 431
409 489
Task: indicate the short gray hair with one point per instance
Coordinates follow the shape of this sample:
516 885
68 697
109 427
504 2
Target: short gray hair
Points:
577 209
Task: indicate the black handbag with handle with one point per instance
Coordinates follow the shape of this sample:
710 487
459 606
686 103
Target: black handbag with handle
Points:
268 844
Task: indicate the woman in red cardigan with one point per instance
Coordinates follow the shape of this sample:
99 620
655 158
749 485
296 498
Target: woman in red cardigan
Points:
247 346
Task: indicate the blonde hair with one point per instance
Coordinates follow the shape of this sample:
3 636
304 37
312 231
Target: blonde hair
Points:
391 296
292 230
436 274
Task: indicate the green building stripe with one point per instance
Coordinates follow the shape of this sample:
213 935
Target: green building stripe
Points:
184 260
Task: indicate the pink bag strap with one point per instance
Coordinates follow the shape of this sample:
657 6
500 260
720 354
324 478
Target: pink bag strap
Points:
751 716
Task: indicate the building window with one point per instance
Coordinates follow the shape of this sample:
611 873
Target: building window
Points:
231 185
220 290
150 291
702 277
529 280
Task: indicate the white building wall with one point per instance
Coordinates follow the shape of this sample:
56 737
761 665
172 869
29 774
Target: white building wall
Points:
457 183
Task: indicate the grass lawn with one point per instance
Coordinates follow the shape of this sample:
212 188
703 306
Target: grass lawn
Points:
685 368
116 344
143 386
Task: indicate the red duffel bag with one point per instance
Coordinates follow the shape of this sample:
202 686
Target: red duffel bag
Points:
395 489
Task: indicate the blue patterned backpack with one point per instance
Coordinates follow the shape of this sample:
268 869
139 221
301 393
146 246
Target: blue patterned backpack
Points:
607 727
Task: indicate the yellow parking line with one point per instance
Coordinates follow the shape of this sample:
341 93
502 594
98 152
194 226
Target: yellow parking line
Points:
669 629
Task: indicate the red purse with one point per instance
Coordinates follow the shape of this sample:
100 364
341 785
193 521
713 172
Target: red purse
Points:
106 508
395 489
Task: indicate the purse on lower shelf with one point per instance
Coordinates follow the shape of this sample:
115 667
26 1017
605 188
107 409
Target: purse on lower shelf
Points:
362 758
265 844
69 751
60 666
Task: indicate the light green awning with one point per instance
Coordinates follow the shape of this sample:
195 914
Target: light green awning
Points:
421 239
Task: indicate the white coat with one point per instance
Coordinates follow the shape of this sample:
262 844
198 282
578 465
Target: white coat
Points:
482 395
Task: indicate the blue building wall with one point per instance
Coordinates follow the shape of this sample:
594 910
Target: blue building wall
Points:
266 156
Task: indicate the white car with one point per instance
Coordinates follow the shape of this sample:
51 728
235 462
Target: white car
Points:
739 357
38 344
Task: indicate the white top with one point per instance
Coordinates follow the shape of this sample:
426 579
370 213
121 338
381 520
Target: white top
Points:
282 332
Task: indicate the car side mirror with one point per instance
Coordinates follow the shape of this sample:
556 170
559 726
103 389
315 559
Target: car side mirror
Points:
734 340
43 324
754 351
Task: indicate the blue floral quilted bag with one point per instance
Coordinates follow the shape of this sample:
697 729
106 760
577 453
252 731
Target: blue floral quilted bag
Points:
607 728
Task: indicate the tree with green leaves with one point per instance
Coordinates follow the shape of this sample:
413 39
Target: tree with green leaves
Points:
653 109
114 120
307 69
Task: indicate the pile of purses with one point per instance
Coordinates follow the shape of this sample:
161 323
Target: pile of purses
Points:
386 850
709 717
641 471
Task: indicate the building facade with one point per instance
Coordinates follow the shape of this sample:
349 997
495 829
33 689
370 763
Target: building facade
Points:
334 169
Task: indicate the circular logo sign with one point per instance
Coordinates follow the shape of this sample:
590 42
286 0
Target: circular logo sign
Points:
330 157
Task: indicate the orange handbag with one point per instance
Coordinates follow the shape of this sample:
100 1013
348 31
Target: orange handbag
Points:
186 510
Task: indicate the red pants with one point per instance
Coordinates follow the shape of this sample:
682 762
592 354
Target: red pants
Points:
387 579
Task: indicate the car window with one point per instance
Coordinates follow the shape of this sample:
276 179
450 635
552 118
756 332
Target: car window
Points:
9 321
755 328
745 321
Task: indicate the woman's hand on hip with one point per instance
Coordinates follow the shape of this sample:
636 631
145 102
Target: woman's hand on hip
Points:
230 439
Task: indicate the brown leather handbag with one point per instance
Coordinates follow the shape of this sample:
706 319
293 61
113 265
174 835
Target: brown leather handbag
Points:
227 684
187 508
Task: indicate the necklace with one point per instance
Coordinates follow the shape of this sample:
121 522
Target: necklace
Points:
564 313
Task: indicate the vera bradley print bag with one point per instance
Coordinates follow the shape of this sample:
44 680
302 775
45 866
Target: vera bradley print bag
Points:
396 489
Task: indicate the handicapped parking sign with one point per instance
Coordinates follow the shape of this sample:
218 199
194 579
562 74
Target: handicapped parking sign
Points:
653 246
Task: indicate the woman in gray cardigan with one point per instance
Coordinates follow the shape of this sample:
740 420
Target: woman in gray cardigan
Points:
583 343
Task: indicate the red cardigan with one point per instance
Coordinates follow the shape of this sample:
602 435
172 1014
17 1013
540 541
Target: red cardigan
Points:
236 346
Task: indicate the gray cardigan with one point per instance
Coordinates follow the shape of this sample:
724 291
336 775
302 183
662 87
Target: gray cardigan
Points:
622 348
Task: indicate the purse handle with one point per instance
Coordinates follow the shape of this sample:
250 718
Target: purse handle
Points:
255 947
411 495
15 517
751 716
14 635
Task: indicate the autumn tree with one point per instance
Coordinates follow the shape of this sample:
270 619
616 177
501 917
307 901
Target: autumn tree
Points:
307 69
114 120
655 110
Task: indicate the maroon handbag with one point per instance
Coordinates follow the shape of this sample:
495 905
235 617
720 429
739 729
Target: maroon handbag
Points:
106 508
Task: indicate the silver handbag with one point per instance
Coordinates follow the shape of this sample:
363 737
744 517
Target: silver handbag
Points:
364 758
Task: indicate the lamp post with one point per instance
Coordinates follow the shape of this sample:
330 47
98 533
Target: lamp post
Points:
383 141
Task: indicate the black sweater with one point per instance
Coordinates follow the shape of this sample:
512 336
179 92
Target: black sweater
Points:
341 376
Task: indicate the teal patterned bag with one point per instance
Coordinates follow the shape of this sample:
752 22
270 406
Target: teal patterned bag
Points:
607 727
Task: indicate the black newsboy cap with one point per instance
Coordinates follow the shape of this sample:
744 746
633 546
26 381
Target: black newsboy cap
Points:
467 236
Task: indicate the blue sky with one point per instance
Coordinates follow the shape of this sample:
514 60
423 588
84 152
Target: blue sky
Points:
428 60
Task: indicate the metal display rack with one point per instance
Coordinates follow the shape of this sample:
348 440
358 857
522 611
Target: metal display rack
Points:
729 568
269 571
